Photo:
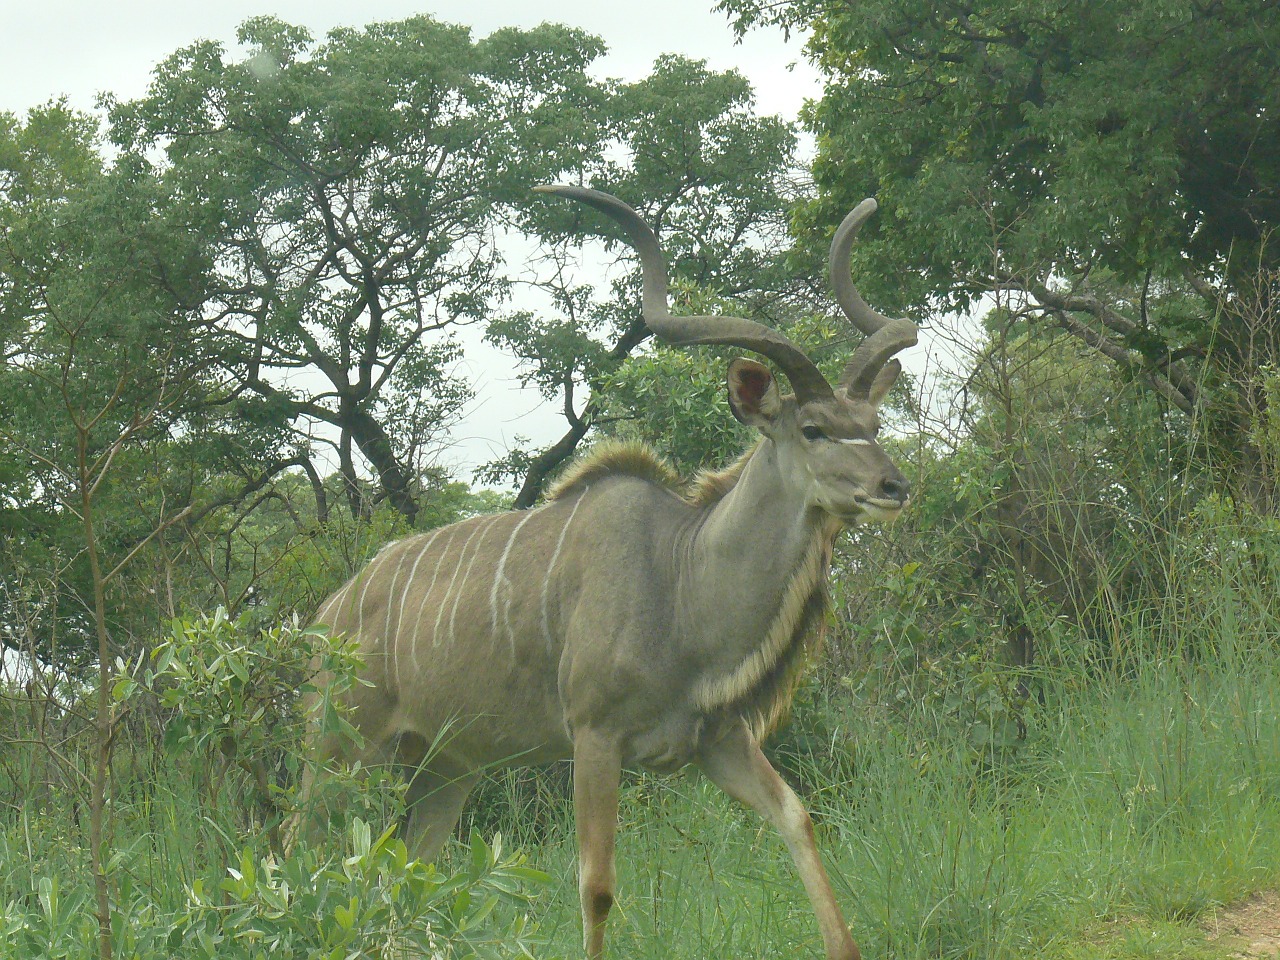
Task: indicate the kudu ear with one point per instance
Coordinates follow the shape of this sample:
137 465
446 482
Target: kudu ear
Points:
753 394
883 381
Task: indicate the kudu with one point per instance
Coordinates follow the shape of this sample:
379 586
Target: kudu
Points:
630 620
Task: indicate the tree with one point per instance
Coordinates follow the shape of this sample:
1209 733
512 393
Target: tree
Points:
103 343
351 192
100 361
41 161
1113 166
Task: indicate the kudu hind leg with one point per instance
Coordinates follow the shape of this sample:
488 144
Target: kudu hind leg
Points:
738 767
433 805
597 769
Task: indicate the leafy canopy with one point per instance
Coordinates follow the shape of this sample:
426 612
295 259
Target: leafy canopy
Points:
351 192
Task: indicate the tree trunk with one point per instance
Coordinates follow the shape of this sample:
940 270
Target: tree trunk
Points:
546 462
376 447
103 725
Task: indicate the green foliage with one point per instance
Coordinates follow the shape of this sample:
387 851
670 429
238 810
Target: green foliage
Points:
349 192
1264 417
676 402
1052 527
1086 132
237 700
239 694
101 366
297 571
60 927
371 899
366 898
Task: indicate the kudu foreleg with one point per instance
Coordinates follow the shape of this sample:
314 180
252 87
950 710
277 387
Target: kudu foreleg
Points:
738 767
597 769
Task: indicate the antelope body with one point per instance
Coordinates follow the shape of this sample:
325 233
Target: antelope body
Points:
631 620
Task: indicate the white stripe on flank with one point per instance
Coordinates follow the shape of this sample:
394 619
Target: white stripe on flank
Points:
546 583
417 621
347 598
388 640
323 613
498 580
453 614
404 595
462 555
378 558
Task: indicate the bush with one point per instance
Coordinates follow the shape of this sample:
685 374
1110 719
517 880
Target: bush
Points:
371 901
247 702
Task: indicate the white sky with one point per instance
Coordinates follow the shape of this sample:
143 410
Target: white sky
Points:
80 48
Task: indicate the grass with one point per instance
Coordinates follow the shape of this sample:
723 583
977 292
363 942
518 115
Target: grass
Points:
1129 809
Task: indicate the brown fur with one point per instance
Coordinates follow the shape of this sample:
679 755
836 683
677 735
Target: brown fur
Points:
711 486
616 458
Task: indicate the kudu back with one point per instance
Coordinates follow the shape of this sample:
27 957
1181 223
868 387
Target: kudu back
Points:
632 620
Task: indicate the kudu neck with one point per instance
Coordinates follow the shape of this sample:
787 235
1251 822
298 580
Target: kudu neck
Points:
765 521
744 582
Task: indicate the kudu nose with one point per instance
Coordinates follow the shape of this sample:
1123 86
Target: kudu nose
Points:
895 488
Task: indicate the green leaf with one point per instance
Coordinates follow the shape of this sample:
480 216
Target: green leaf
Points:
481 855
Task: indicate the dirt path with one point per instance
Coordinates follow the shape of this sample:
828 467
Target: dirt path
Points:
1250 928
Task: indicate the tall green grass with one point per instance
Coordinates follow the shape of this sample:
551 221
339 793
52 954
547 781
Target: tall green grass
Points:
1149 798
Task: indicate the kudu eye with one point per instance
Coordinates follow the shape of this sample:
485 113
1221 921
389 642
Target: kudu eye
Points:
813 433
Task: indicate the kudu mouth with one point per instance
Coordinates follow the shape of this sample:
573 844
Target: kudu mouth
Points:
882 503
875 509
